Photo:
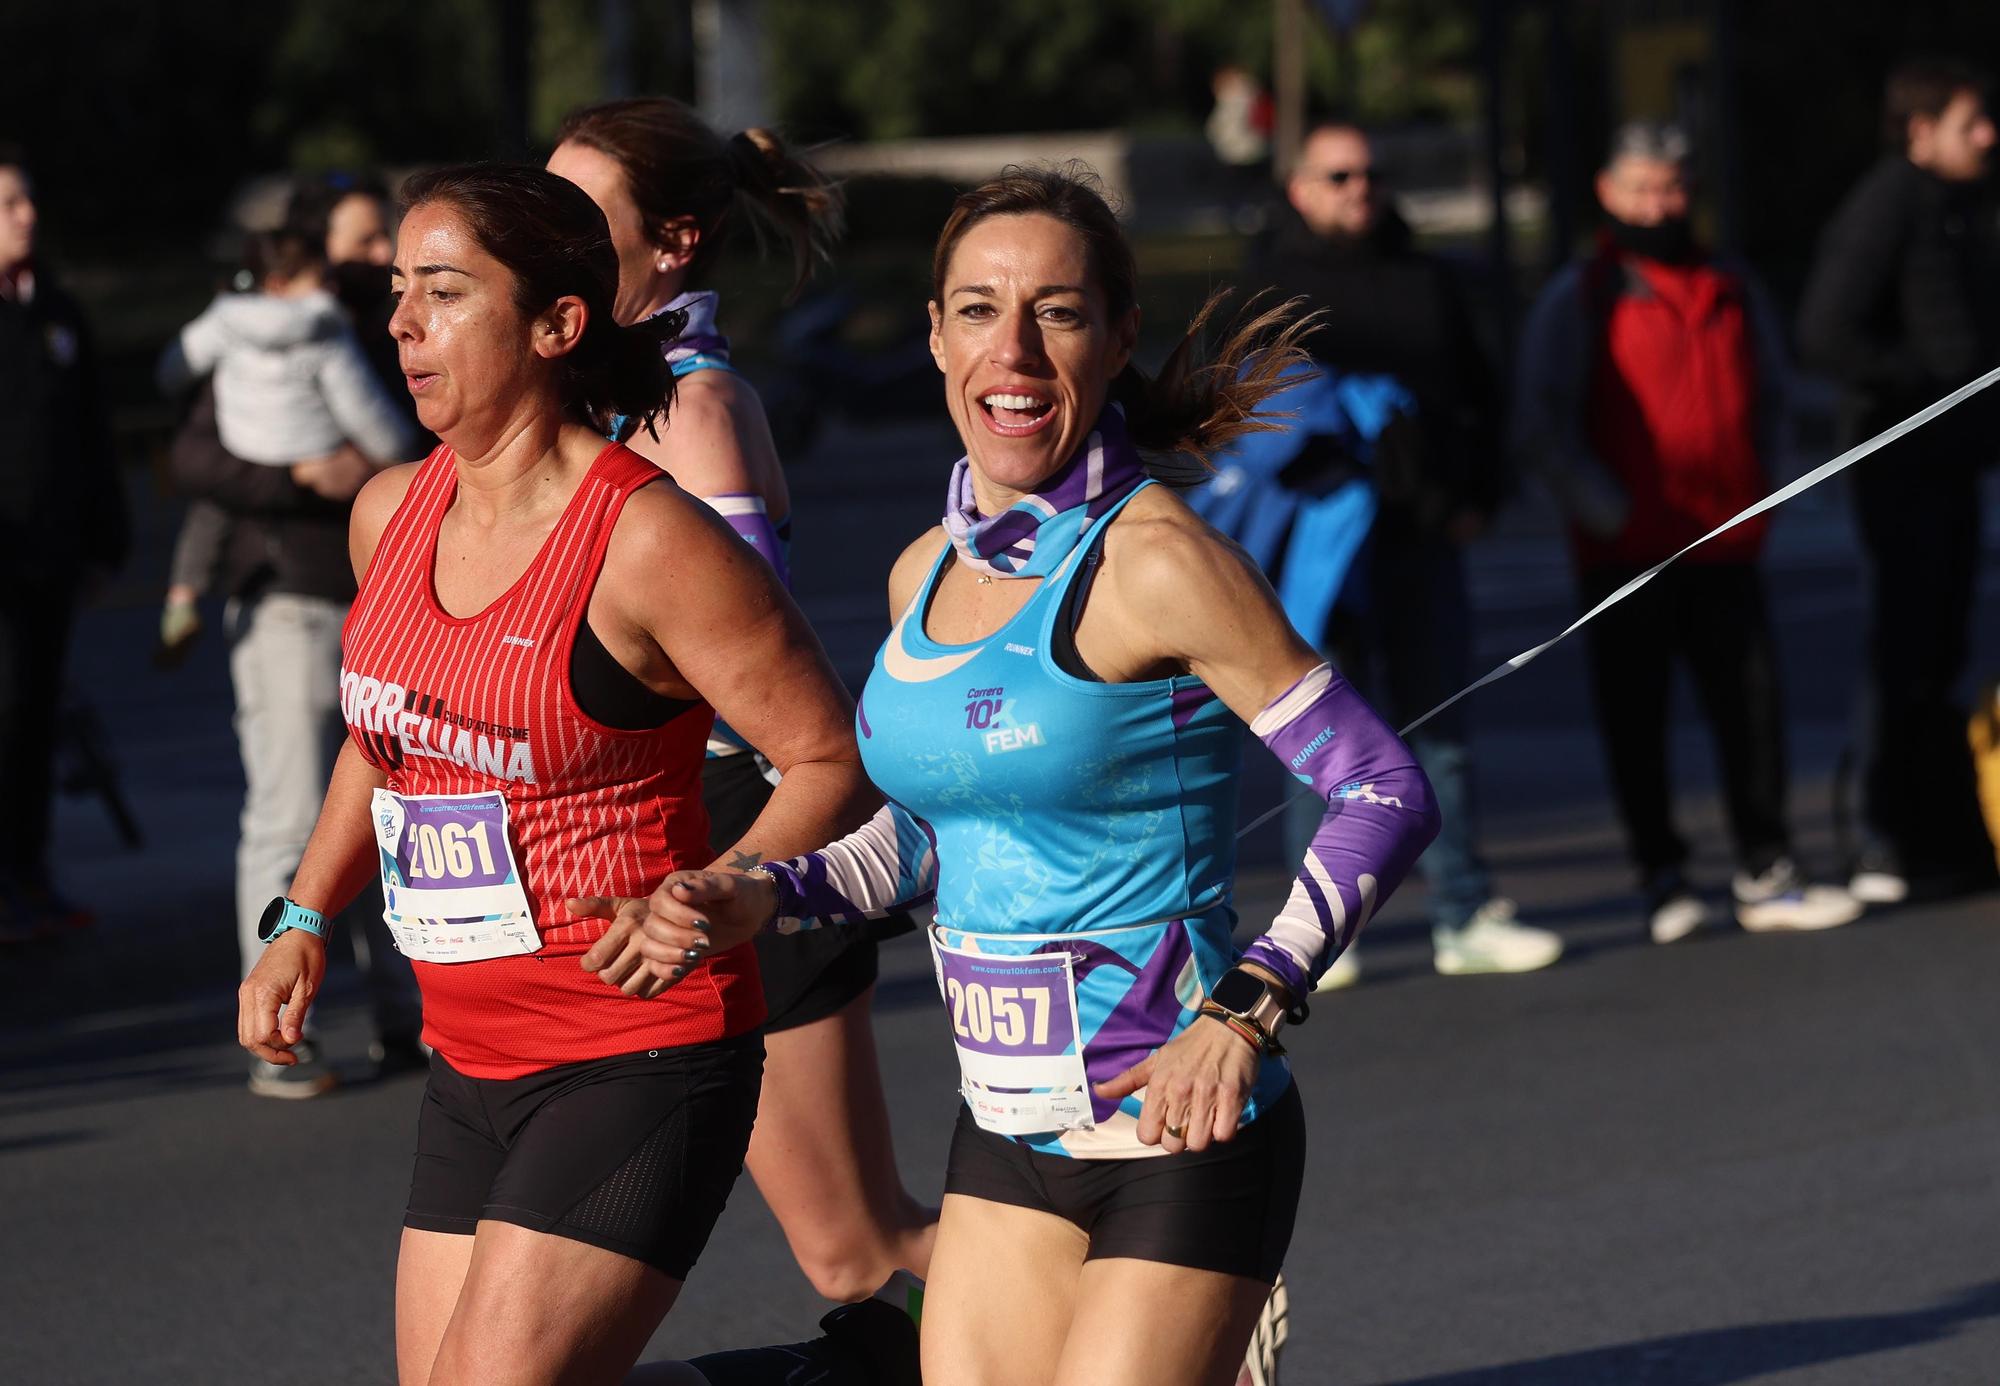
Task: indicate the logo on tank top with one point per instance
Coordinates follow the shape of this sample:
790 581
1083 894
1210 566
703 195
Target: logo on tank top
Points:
989 712
400 724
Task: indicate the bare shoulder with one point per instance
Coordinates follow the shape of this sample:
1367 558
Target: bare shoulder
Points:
713 397
714 439
1158 545
654 527
374 505
911 566
1183 595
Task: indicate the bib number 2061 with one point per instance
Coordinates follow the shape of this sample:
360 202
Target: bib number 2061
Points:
446 853
1011 1016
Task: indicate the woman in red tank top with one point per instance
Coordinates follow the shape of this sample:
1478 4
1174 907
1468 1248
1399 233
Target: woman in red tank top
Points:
546 628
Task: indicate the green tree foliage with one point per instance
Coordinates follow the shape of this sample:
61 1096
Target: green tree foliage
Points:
884 69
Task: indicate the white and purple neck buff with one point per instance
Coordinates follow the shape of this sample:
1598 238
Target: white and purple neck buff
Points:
699 335
1036 533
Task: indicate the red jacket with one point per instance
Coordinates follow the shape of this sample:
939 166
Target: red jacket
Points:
1672 408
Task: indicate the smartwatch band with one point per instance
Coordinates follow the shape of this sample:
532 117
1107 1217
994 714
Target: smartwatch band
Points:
283 914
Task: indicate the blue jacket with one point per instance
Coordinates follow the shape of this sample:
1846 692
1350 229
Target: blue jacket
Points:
1301 499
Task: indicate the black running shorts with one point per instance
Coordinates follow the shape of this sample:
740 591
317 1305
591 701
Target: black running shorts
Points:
811 974
1228 1208
635 1154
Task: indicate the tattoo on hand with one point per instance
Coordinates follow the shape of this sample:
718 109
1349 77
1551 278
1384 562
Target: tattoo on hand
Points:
744 861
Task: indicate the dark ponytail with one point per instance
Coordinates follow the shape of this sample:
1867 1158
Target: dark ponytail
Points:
1197 404
1201 403
676 166
555 242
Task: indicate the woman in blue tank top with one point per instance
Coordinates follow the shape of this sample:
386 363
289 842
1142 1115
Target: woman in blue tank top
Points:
673 191
1056 719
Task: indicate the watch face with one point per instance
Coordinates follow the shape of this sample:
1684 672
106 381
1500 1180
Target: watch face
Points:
273 912
1237 992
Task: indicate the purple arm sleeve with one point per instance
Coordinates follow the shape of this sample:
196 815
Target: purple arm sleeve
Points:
747 516
1380 816
888 863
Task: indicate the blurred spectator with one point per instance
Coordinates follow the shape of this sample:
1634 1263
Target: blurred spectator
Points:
1239 124
1389 312
62 521
1902 307
1652 392
290 583
291 388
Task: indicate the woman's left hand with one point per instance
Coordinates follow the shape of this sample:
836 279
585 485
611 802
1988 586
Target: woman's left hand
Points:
615 958
1195 1086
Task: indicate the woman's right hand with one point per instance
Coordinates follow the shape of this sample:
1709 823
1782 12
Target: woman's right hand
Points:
271 1004
706 910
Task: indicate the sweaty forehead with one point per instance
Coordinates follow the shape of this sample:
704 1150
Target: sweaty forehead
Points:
435 234
1031 249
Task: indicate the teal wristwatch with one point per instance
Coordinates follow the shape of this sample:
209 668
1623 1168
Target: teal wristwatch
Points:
281 914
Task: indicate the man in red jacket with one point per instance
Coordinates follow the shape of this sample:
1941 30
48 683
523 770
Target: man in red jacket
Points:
1652 395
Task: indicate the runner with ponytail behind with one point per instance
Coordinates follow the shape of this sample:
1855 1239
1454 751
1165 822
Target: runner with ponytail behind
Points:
1057 720
674 193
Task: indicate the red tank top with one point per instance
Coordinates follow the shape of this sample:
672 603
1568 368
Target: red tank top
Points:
442 704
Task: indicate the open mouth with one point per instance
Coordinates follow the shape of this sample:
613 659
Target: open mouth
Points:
419 381
1016 415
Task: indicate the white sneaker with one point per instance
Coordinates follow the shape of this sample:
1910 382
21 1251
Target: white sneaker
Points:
1677 916
1781 898
1345 972
1879 887
1492 941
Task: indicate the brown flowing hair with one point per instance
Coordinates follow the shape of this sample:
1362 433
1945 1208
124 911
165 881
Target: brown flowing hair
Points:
676 166
1200 401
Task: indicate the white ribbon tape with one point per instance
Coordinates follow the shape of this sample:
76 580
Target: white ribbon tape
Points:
1770 502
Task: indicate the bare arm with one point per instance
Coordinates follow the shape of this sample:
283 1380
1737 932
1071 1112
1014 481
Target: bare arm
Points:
720 626
1187 599
1180 596
716 442
888 862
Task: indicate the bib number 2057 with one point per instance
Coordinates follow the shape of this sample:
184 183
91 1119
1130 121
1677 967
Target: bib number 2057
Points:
1015 1017
1014 1025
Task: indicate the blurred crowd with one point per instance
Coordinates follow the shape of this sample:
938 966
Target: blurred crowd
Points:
1652 399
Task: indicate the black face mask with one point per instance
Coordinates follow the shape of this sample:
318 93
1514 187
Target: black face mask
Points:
360 286
1672 241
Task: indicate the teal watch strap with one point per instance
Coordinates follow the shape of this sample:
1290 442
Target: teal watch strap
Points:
283 914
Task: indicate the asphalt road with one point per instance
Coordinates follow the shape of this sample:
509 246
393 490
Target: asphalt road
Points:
1740 1159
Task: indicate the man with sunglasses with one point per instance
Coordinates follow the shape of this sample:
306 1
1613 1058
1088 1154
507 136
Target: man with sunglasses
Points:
1389 310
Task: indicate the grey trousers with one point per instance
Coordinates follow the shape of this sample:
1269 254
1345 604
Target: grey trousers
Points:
284 660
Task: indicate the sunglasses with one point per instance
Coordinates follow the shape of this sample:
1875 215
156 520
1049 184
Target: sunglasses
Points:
1341 177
